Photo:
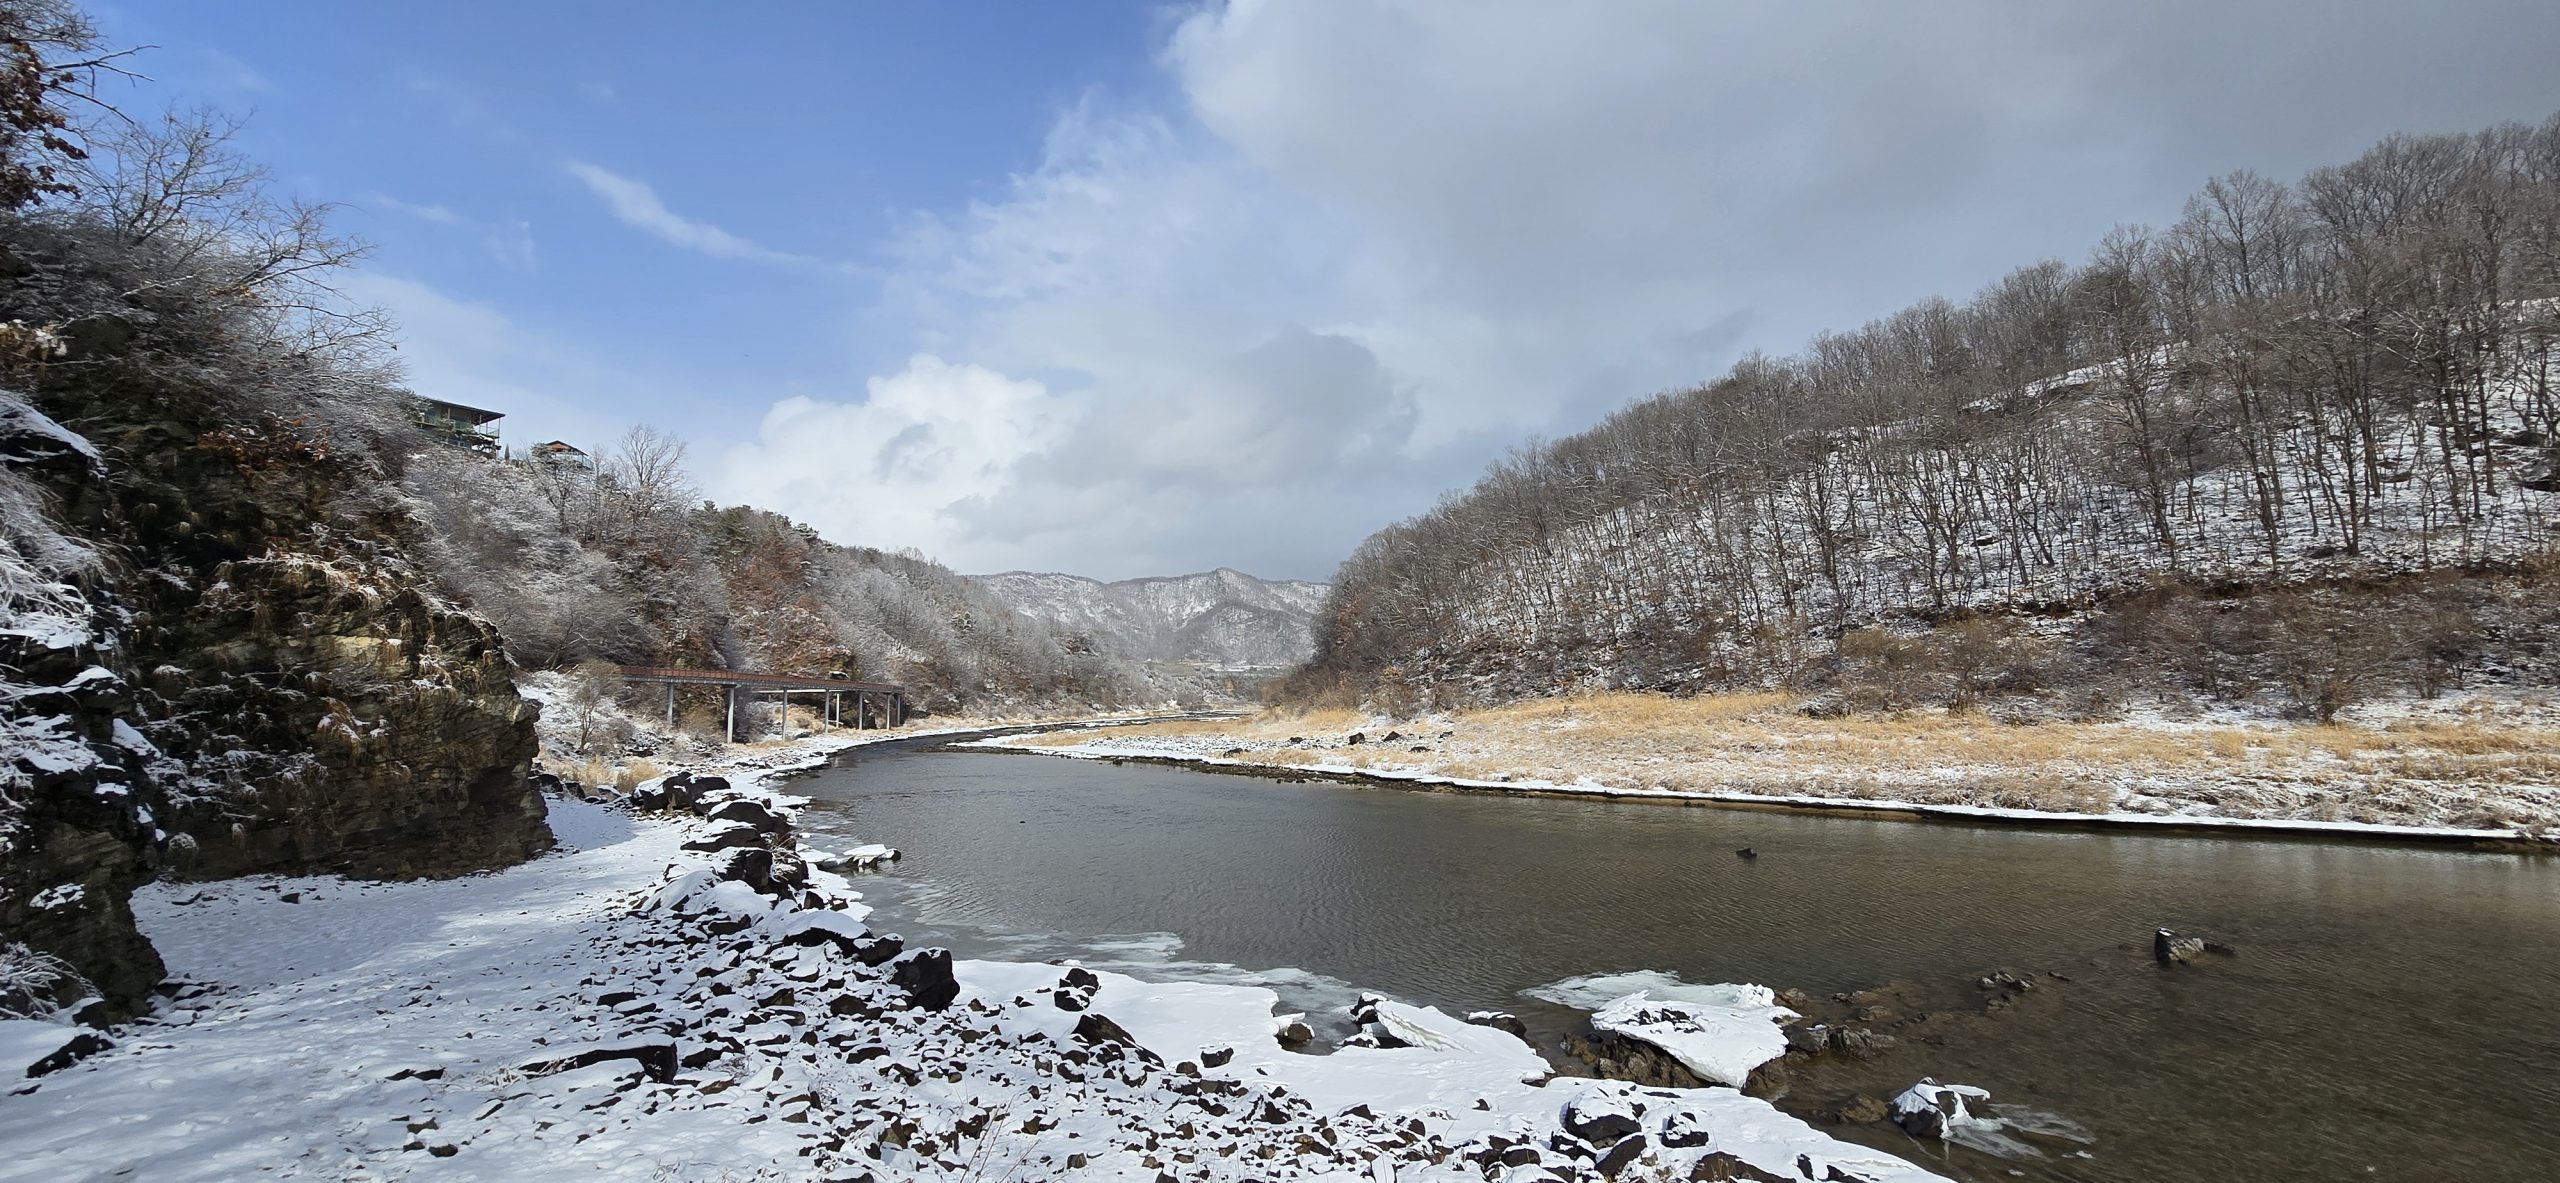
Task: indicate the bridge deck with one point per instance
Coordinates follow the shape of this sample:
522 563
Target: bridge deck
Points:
881 704
651 673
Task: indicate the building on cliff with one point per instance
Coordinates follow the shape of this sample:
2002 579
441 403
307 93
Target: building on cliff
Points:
462 426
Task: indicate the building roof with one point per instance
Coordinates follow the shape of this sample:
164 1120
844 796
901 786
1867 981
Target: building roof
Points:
468 414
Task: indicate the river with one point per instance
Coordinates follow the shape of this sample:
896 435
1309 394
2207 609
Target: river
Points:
2390 1012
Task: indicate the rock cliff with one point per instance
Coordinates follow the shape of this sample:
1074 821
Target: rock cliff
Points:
219 658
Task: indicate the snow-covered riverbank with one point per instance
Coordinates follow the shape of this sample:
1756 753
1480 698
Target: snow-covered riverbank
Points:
636 1006
2420 780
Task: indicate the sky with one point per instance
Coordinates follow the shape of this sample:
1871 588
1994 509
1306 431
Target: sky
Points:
1128 289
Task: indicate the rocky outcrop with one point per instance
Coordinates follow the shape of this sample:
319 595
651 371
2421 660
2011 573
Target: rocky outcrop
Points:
75 837
237 667
401 749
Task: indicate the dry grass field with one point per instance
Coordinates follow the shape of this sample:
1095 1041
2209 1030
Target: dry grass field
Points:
2480 763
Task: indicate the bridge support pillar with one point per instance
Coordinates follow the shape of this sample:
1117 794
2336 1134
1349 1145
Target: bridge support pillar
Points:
733 712
671 706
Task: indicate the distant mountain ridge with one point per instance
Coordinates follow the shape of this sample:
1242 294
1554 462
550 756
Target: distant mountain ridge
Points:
1222 618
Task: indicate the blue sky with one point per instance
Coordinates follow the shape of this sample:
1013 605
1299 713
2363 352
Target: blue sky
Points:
815 130
1130 289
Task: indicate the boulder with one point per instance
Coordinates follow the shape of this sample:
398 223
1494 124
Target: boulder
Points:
1619 1157
1499 1021
1686 1129
656 1058
926 977
767 871
1603 1118
73 1050
1929 1109
2168 948
880 949
1723 1166
1860 1043
727 836
1099 1029
753 813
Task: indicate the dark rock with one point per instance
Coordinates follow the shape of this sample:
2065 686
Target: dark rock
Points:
2168 948
657 1060
1617 1158
1217 1056
926 977
1296 1034
728 836
1722 1167
1099 1029
77 1048
1603 1120
1500 1021
753 813
1861 1043
751 865
1685 1130
1078 977
1811 1039
879 950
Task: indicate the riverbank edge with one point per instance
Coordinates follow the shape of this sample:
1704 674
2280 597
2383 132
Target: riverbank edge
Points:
768 776
2484 841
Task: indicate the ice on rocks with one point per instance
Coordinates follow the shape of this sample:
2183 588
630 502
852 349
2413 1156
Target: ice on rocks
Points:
1719 1032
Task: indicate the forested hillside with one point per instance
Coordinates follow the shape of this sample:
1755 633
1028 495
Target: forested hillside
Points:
1224 618
2297 447
622 560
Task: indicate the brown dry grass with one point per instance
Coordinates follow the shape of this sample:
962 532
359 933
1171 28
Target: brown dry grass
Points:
1760 742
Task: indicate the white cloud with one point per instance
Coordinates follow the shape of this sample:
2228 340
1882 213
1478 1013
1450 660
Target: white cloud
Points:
904 466
636 205
1368 246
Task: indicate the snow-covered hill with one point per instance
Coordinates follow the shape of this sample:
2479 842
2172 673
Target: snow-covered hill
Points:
1221 618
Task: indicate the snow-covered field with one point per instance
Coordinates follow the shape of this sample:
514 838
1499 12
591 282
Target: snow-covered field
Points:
2457 769
616 1010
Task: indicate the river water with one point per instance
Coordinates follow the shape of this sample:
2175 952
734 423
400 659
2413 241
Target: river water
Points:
2392 1012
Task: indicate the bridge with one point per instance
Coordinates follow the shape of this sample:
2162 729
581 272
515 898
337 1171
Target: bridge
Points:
874 704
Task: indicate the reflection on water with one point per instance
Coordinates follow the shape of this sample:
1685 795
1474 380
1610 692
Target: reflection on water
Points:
2390 1013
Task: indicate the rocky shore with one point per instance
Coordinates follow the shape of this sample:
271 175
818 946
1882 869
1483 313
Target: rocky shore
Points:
680 991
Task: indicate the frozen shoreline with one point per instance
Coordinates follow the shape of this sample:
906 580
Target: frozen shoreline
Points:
627 1006
1177 752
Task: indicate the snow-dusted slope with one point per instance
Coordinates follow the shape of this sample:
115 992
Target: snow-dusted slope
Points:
1223 617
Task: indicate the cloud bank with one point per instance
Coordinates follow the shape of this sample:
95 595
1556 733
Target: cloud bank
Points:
1363 248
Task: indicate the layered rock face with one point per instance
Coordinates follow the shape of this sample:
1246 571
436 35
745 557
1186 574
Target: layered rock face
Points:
400 748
